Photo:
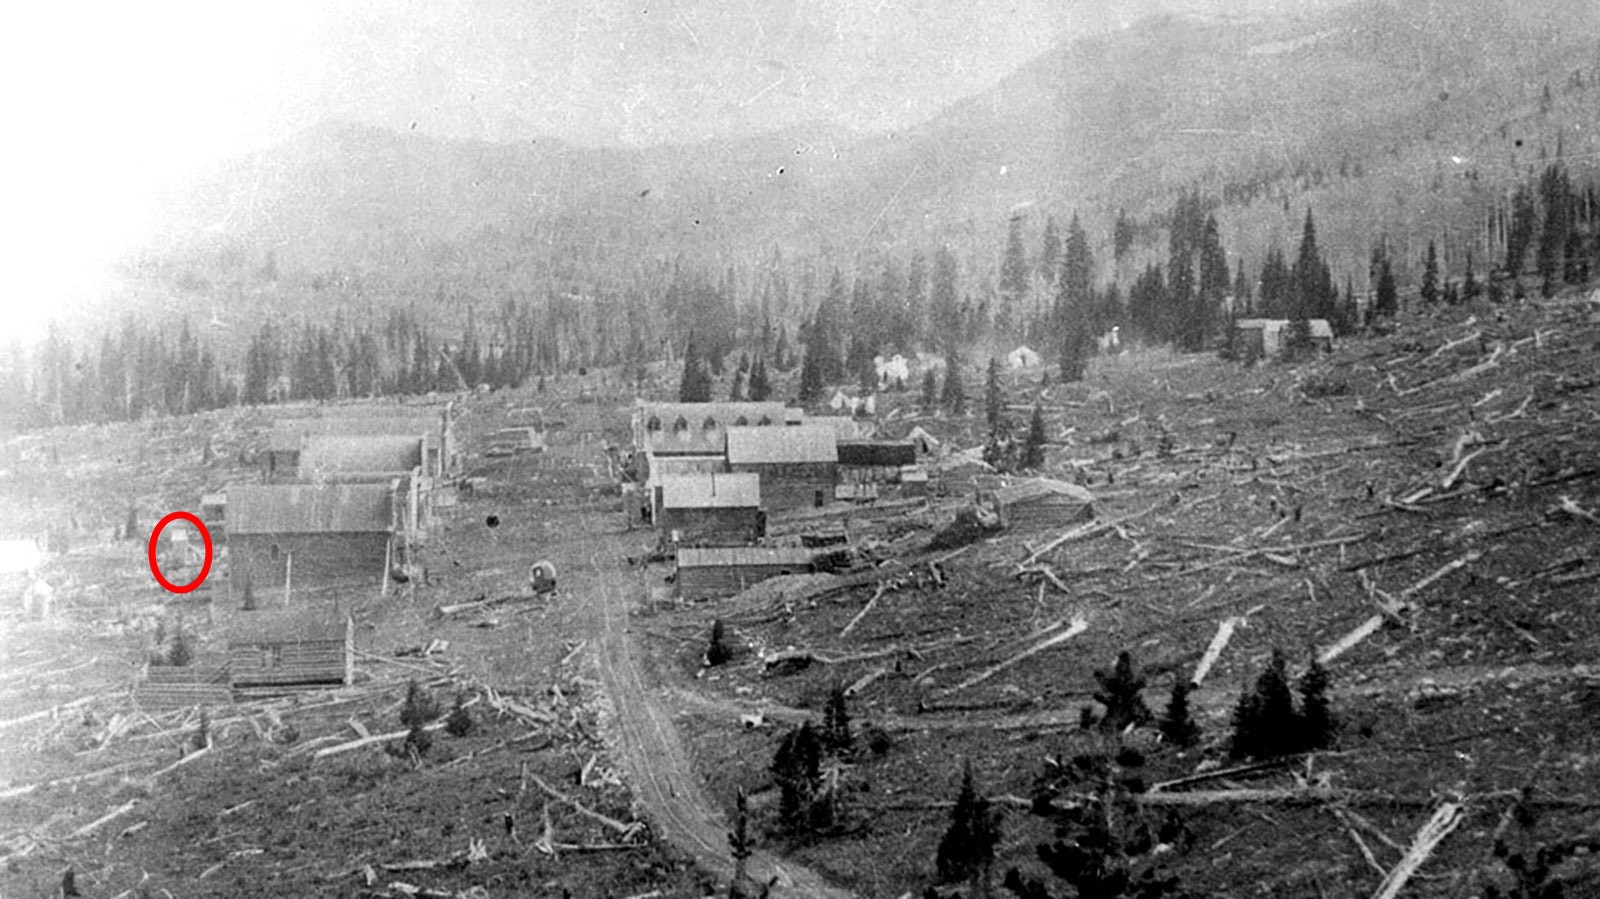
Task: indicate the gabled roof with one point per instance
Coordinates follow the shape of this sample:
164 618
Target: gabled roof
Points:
288 435
799 443
311 509
1036 488
718 556
1319 326
710 491
323 455
308 622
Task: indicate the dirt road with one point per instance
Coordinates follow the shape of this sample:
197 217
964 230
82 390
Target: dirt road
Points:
640 730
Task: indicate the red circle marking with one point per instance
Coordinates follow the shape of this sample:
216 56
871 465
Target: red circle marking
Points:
155 567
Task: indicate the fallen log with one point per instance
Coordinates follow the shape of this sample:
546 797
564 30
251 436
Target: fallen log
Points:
1446 819
1079 625
627 830
1448 567
95 825
865 681
871 604
1351 640
1214 651
62 781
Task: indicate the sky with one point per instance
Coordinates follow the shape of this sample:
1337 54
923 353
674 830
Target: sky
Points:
116 102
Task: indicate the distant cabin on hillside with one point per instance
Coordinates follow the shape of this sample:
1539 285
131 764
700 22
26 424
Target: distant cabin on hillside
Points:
311 538
799 466
305 647
716 573
1265 338
1041 503
874 461
708 509
290 436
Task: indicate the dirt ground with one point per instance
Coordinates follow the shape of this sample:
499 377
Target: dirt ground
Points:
1447 470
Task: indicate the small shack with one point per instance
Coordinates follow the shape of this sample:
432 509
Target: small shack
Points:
799 466
299 537
305 648
874 461
719 572
165 687
1042 503
708 509
1265 338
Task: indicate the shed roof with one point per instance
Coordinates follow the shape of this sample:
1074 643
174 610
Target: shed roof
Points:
326 454
799 443
710 491
1320 327
289 434
297 626
724 556
1036 488
311 509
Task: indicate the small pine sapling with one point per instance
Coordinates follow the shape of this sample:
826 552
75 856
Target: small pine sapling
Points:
718 652
1178 726
797 767
836 734
419 707
967 849
1119 693
459 722
741 845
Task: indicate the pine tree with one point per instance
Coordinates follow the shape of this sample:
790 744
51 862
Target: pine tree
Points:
1386 303
718 652
930 392
1264 723
760 384
1119 692
836 736
741 845
954 396
418 708
1470 288
967 850
695 387
1178 726
1014 278
993 398
1319 728
1429 291
180 654
797 767
1033 448
1519 235
459 722
1050 251
811 378
736 393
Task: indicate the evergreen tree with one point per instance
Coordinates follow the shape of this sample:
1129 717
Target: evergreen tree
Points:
418 708
1050 251
1429 291
1555 191
1519 235
736 393
1177 725
1014 279
1318 726
1275 301
1264 722
948 327
741 846
695 386
1386 303
1033 449
760 384
993 397
967 850
954 397
180 654
811 384
1470 288
836 736
1122 236
1119 691
797 767
718 652
930 392
459 721
1311 282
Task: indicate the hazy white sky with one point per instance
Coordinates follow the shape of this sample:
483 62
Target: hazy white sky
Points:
116 101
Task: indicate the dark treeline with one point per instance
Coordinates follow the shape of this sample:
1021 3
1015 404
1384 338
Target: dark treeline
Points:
1047 290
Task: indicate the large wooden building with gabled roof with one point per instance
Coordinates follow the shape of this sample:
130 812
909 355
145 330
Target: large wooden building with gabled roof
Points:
712 509
717 572
305 538
289 439
303 647
799 466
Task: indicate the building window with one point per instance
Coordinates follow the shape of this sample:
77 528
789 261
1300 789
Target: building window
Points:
274 553
710 424
741 421
654 424
682 424
764 421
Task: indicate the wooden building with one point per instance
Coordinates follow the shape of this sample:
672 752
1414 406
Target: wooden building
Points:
799 466
440 457
874 461
697 429
1264 338
718 572
372 458
298 648
1041 503
165 687
299 538
708 509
